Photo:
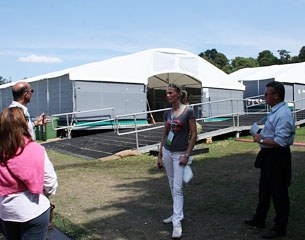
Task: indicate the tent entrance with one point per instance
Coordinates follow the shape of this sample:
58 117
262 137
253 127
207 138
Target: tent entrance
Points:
157 86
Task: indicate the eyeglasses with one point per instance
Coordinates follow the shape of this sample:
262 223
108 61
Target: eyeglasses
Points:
266 94
31 91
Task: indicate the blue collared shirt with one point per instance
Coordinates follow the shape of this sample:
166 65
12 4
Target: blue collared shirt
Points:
280 125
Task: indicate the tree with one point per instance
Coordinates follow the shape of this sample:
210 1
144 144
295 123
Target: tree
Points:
228 69
221 60
301 56
266 58
216 58
242 62
285 56
3 80
209 54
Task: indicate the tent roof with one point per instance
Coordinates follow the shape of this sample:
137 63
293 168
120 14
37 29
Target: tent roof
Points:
288 73
156 67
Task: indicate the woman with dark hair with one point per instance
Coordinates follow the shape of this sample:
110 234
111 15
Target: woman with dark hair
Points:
27 178
178 140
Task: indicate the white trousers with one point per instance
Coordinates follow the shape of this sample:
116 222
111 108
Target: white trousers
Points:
175 178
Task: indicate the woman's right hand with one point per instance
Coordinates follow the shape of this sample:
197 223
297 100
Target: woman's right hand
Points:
159 162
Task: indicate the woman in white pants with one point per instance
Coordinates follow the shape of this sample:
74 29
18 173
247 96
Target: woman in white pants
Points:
178 140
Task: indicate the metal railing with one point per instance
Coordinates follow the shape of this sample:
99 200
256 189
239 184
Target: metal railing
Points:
72 119
295 110
236 106
135 116
255 102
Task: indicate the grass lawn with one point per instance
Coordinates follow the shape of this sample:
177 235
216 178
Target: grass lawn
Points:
127 198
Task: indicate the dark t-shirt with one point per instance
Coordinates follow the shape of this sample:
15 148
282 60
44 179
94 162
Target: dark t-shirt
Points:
180 128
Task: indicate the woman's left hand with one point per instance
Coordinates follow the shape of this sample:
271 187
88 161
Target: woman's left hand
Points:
183 160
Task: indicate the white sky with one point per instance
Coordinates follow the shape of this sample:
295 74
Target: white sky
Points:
38 36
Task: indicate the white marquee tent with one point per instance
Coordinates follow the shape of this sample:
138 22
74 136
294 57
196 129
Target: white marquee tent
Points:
140 66
287 73
123 81
291 75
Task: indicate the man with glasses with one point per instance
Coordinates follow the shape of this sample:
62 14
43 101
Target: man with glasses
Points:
22 94
274 161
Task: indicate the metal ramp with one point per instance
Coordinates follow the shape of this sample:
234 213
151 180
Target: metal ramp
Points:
109 143
146 138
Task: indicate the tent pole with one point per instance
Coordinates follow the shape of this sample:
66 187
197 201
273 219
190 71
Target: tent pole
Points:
152 117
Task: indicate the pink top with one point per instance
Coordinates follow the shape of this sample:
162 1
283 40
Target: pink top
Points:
27 169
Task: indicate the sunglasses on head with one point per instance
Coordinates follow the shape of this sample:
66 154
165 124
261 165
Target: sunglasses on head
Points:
173 85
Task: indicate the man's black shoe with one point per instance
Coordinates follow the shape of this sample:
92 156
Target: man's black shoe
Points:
253 223
270 234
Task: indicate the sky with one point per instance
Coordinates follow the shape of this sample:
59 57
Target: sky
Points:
39 37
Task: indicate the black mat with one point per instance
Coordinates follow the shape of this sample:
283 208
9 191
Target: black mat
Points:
108 143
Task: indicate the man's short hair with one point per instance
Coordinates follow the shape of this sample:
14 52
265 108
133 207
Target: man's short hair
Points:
278 88
17 94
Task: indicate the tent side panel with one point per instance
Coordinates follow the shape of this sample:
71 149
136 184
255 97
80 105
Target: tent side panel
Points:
255 87
38 102
54 97
288 92
252 88
60 95
299 96
238 106
66 95
51 96
222 107
262 85
6 97
124 98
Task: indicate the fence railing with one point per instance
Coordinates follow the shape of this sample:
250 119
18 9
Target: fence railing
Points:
232 104
255 103
72 119
234 109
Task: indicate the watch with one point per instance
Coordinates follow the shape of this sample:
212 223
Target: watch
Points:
261 141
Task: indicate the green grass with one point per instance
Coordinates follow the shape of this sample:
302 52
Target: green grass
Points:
127 198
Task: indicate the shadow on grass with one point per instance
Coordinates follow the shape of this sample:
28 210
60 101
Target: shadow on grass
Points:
222 193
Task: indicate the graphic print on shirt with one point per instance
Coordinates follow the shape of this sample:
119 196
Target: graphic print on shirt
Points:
174 125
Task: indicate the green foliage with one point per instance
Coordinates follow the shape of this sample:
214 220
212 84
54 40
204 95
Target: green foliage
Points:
3 80
295 59
285 56
301 56
228 69
242 62
216 58
266 58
